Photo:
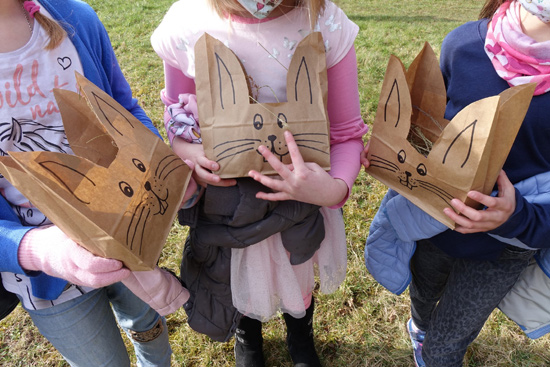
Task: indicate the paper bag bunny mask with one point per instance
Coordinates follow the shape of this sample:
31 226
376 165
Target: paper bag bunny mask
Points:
233 126
118 195
468 152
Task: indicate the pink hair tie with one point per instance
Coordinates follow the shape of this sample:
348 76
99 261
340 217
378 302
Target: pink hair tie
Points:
31 7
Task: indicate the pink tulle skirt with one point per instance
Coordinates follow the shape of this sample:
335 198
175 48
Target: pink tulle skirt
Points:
264 283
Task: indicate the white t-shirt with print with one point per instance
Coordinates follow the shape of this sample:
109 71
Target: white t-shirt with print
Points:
265 49
30 121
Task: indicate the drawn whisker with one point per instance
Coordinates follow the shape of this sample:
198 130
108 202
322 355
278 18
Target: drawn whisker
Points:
385 161
309 134
134 223
238 140
172 170
143 232
309 141
445 196
391 169
174 159
233 148
236 153
159 165
429 184
312 148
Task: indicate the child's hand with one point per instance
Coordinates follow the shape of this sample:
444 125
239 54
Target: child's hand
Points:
193 155
49 250
364 161
301 181
159 288
498 211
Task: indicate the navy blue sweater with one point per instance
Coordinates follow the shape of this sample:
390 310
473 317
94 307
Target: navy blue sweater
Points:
470 76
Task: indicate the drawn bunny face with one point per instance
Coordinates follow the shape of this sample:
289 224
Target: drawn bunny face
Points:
233 127
468 151
119 193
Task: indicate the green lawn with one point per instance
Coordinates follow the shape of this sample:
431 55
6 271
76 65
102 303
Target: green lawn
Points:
361 324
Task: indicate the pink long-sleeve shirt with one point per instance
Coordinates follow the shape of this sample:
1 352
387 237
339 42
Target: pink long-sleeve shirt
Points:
262 48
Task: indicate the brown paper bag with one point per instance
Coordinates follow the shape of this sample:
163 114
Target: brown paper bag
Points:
428 159
118 195
233 126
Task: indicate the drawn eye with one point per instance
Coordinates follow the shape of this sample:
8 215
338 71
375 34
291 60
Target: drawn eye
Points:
126 188
421 169
401 156
258 121
138 164
281 120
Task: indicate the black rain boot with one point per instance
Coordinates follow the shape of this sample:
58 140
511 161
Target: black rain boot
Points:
299 338
248 343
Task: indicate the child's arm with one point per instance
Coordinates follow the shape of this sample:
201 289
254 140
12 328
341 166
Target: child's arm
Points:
176 85
346 124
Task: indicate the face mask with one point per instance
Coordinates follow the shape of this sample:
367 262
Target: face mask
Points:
261 8
539 8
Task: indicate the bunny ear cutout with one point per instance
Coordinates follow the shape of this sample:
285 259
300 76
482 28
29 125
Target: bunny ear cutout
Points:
119 122
69 174
87 136
393 115
306 78
428 94
461 148
513 105
42 176
220 80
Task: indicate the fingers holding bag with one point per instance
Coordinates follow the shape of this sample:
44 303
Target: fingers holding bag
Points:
49 250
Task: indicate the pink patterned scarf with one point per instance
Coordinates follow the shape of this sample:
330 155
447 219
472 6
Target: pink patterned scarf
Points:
517 58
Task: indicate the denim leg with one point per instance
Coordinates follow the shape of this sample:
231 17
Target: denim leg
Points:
84 331
145 327
473 290
430 269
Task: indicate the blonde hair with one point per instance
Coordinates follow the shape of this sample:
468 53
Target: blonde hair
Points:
490 8
55 32
228 7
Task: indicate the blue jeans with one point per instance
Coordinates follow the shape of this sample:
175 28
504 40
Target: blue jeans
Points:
84 330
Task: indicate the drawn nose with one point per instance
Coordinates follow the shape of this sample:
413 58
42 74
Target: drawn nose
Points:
163 204
272 139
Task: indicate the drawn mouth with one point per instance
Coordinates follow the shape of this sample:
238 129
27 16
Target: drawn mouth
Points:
407 183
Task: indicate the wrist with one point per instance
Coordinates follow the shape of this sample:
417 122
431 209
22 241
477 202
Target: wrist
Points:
342 190
28 251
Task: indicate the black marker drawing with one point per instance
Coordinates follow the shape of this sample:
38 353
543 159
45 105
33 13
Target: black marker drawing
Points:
414 150
239 125
26 135
64 62
118 194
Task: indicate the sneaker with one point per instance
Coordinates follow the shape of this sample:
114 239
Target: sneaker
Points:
417 339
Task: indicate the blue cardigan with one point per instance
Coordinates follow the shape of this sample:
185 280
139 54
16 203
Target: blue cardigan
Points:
100 66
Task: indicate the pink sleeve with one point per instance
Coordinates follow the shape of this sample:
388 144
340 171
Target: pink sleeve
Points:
346 124
176 83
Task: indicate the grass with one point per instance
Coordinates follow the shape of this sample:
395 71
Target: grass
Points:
361 324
